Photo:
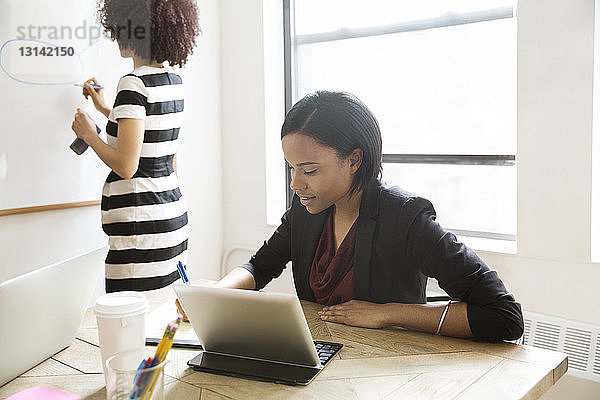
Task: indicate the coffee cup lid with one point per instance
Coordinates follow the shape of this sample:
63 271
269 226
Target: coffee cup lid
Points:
121 304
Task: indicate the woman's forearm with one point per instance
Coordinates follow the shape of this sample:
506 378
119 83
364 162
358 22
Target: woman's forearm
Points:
239 278
105 111
426 318
112 157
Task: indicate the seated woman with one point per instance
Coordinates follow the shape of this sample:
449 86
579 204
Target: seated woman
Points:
363 249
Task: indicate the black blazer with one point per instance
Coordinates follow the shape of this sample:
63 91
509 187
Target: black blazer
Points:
398 245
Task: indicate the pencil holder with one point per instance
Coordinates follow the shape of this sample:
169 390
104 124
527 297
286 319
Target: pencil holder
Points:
127 382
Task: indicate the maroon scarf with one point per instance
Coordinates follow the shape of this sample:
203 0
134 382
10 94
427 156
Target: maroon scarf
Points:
331 272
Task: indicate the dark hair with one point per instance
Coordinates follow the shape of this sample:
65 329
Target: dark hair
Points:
156 30
341 121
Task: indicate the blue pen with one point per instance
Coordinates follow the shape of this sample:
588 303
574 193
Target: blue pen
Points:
146 378
143 380
141 367
95 86
182 273
136 380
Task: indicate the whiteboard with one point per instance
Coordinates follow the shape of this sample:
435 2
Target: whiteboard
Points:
38 99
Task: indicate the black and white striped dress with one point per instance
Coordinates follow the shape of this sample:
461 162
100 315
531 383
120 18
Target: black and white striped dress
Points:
146 217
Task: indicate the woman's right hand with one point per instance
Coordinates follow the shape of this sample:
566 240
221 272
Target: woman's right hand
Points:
96 95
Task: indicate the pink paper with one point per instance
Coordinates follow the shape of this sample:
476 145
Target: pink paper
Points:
41 392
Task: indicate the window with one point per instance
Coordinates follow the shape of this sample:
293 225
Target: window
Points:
440 76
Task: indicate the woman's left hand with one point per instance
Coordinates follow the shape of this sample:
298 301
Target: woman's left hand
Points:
83 125
355 313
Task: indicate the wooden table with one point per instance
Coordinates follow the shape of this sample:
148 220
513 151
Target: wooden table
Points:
374 364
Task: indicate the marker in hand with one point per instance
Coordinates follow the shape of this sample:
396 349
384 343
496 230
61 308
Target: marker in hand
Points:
78 145
95 86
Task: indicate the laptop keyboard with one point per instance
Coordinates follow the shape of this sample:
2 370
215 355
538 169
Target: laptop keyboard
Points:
326 350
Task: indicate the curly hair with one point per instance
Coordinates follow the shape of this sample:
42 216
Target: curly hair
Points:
156 30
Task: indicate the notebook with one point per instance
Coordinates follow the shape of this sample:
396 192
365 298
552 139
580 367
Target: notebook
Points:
41 311
253 335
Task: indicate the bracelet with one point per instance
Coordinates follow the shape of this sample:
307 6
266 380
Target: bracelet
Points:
443 317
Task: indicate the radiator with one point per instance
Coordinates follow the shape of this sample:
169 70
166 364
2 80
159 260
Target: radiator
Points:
580 341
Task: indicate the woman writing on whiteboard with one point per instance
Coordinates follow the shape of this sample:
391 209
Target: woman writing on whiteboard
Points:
143 211
363 249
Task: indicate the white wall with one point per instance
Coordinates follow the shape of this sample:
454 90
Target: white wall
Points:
200 155
552 272
244 122
29 241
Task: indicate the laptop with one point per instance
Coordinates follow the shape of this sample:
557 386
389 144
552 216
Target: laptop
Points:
253 335
41 311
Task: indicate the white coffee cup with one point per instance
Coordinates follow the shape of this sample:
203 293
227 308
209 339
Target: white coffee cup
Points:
121 318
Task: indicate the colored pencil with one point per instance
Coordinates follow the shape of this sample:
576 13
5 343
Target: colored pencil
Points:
161 354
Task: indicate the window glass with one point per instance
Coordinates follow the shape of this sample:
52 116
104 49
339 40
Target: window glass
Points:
440 76
438 91
465 197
